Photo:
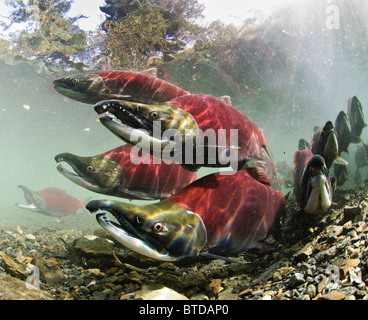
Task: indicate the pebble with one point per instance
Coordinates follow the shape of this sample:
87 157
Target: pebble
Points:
296 280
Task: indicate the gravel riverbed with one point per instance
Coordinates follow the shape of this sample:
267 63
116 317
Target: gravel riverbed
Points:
321 257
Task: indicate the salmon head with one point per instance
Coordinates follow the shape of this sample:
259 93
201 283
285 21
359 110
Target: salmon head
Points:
325 144
163 127
312 184
356 117
164 231
81 87
98 173
35 201
343 132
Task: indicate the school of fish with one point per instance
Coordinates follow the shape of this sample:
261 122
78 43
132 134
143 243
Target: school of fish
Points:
169 134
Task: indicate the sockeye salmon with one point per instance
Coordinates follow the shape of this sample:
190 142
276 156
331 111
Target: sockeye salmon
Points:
203 219
324 143
53 202
96 86
127 173
356 117
312 185
189 126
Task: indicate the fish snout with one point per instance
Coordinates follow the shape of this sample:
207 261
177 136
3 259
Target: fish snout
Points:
99 205
63 157
318 188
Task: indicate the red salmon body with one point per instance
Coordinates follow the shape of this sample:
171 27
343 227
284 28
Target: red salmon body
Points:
148 174
141 86
59 201
233 220
213 113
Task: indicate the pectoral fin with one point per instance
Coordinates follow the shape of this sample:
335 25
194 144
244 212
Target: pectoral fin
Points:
341 161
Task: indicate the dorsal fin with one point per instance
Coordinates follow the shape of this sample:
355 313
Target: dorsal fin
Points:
258 174
296 157
151 71
226 99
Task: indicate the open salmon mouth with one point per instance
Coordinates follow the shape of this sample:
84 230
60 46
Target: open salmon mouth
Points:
128 231
114 111
34 201
167 232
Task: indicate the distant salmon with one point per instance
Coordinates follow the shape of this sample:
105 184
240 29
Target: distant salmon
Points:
96 86
324 143
53 202
122 173
356 117
361 160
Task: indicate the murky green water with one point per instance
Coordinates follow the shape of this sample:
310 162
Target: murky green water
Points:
36 123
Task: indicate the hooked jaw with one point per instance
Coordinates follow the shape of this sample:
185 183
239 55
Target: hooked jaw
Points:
155 127
34 201
97 174
163 231
84 87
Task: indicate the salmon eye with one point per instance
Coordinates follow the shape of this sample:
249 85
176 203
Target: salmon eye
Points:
89 168
154 115
158 227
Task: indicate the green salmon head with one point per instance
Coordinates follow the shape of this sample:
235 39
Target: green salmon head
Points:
164 231
35 201
81 87
155 126
98 174
342 125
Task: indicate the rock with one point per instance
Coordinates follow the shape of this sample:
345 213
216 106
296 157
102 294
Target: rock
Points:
351 213
333 295
305 252
347 264
322 283
13 268
94 272
95 253
215 286
280 273
199 296
269 272
30 237
228 295
15 289
50 270
312 291
158 292
326 254
335 231
296 280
